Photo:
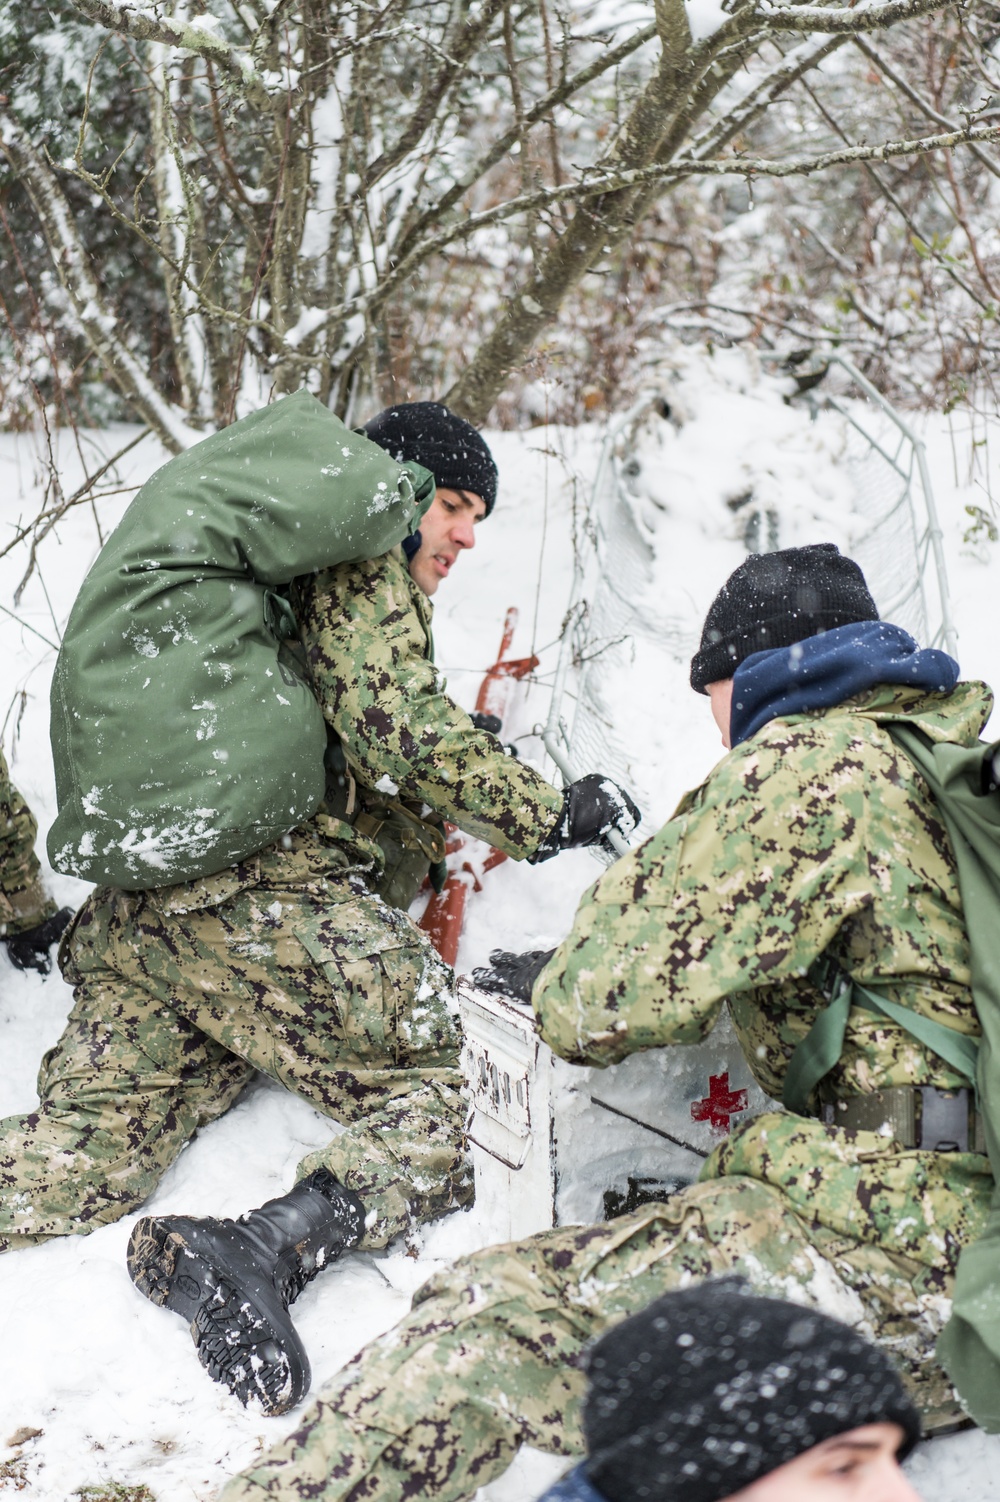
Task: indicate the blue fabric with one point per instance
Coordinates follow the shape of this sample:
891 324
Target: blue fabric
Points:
574 1488
411 545
826 670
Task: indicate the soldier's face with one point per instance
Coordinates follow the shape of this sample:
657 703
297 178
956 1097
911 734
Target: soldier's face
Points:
858 1466
721 696
447 528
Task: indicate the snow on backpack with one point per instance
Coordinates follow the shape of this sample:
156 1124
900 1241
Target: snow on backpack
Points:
964 783
181 744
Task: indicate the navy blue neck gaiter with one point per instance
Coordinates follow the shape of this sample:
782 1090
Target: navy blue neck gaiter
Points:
826 670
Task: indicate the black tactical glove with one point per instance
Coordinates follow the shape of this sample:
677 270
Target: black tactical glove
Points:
30 950
493 724
512 975
592 807
490 722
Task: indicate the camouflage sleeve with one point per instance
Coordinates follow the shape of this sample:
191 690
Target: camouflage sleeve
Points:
369 649
738 890
23 903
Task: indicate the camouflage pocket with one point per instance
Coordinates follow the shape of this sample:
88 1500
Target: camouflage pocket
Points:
390 990
862 1185
208 891
348 942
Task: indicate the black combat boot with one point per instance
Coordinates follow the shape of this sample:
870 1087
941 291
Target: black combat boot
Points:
233 1281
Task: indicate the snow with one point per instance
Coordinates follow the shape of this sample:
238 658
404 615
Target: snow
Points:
112 1383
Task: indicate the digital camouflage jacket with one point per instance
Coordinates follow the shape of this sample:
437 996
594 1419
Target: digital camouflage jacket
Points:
366 631
815 835
23 903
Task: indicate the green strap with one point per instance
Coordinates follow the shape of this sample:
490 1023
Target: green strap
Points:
824 1043
958 1050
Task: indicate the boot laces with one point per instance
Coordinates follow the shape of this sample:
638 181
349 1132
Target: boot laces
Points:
291 1276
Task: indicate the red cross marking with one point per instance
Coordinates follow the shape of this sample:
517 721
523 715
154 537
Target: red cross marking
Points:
719 1104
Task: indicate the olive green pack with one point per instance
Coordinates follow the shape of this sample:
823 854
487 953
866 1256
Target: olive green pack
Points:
181 743
964 783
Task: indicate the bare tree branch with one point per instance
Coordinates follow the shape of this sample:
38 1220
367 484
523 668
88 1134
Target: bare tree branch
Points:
94 318
860 18
674 28
144 23
294 240
598 185
463 45
886 192
567 90
758 100
41 525
918 99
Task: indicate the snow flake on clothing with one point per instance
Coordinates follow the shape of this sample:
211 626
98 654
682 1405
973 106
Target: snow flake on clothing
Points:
23 903
366 628
829 669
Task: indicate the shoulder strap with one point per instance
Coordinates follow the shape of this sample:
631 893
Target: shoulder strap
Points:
962 780
957 1049
823 1044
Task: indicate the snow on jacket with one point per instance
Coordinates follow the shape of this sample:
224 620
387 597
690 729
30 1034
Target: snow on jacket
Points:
816 834
23 903
366 631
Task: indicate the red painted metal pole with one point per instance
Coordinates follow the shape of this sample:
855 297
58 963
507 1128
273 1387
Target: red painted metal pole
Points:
444 915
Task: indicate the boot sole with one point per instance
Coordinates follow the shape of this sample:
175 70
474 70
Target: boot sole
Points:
243 1335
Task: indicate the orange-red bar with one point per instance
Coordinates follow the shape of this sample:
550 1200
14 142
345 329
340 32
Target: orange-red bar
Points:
444 915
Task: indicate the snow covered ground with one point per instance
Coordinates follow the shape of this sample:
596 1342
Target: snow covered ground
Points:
98 1386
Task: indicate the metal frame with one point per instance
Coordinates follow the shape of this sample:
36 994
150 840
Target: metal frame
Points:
554 734
908 460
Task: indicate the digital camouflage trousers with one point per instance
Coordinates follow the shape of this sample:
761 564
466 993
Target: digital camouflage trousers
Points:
181 994
489 1358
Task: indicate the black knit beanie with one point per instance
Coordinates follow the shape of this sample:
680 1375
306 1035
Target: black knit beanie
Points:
713 1387
428 434
775 600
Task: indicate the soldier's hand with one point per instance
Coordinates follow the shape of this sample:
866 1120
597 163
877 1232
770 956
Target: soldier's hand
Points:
592 807
490 722
512 975
493 724
31 950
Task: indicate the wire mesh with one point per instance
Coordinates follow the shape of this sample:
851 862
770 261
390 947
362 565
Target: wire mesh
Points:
888 550
608 636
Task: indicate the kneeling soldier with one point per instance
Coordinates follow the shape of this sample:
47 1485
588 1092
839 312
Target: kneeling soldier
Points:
300 962
815 836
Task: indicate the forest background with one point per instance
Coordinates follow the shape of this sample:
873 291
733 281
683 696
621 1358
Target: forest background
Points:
503 203
517 207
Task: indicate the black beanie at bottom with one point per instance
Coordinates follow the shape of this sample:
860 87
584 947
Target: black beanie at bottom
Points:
776 600
712 1387
428 433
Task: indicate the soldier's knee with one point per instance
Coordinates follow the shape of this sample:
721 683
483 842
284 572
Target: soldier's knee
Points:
487 1281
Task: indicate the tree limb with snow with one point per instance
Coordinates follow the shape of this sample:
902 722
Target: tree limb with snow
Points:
84 303
405 197
198 36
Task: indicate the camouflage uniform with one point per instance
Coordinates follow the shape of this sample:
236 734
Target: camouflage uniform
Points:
23 903
293 962
817 832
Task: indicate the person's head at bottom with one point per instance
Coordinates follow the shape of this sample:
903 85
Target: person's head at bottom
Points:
714 1394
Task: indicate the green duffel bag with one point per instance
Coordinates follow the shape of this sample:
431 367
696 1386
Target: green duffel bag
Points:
181 743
